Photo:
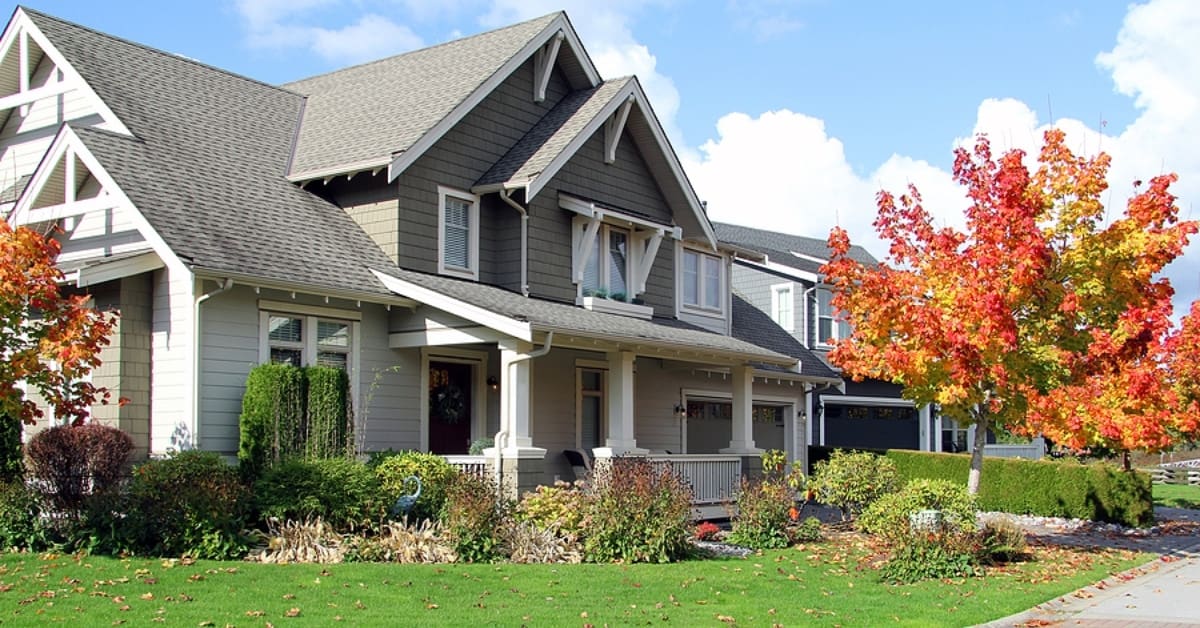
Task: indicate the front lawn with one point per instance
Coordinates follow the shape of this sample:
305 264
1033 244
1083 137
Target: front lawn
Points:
1177 495
832 583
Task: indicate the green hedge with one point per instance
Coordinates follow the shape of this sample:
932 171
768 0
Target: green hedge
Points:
290 412
328 413
1097 492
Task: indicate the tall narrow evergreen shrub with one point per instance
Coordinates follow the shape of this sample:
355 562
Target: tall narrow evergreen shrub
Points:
12 462
272 417
328 413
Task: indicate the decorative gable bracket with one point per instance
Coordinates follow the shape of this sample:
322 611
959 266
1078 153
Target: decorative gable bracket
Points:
543 65
613 129
645 239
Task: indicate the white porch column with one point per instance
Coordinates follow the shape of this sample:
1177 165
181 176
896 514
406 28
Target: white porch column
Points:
516 400
742 439
923 429
621 439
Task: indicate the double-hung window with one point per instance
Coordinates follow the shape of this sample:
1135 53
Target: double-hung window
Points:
590 424
302 339
607 268
703 280
831 327
782 306
458 233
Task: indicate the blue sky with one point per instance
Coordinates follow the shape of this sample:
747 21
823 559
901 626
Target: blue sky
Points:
789 114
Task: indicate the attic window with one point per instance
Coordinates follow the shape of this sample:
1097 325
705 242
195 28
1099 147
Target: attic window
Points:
458 233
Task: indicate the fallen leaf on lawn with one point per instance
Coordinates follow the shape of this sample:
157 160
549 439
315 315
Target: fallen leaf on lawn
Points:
726 618
255 613
431 606
206 623
289 596
147 596
583 615
292 612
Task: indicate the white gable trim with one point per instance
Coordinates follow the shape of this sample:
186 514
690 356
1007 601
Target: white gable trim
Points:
22 26
67 142
780 270
560 25
107 271
503 324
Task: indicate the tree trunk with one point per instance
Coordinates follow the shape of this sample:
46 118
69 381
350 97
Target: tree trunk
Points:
981 428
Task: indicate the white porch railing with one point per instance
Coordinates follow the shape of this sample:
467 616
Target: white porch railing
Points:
714 477
471 465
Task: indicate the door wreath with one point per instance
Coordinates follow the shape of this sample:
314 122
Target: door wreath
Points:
449 403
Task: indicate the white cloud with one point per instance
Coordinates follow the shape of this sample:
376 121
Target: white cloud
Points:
782 171
282 24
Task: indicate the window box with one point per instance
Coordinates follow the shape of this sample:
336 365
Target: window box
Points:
620 308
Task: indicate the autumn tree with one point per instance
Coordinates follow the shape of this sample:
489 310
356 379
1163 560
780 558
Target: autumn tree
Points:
1039 316
49 340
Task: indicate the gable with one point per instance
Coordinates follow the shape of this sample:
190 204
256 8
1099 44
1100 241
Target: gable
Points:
39 91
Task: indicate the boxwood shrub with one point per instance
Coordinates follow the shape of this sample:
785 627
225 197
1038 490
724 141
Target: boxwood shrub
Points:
1097 492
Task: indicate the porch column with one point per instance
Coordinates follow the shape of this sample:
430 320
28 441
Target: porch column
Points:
620 439
923 421
515 400
742 439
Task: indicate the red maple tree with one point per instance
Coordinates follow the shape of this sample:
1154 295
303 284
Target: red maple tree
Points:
49 340
1039 316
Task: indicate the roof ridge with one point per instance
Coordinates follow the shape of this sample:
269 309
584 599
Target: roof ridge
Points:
170 55
423 49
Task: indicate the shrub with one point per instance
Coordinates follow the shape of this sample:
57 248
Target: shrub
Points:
776 469
329 432
1098 492
21 524
559 508
403 542
189 504
763 515
1002 540
308 541
525 542
923 556
851 480
12 458
342 492
433 470
473 516
888 516
272 413
808 530
706 531
70 463
637 511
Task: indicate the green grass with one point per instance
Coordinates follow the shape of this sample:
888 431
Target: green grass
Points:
828 583
1177 495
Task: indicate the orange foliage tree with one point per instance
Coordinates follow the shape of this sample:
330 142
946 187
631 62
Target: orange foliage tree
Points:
1038 316
48 340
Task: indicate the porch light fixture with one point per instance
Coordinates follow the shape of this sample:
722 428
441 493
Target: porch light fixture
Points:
493 383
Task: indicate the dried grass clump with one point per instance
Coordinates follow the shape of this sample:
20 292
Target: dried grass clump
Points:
525 542
308 541
407 543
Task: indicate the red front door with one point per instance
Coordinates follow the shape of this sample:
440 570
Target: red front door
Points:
449 407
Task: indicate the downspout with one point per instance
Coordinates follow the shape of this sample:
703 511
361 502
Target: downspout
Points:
223 286
804 301
502 434
504 195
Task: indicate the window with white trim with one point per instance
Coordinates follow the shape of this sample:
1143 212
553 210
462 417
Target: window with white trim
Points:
831 327
607 271
589 418
458 233
702 280
783 306
308 341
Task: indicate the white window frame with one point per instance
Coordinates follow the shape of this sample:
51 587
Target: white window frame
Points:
603 268
472 271
723 283
835 323
580 393
309 316
778 292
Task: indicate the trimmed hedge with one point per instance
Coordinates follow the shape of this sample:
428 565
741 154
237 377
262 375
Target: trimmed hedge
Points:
328 412
291 412
1097 492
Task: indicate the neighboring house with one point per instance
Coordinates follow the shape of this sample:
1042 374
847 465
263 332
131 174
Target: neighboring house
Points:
444 224
780 275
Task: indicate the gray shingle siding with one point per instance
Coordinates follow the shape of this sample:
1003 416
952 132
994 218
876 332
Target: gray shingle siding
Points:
460 158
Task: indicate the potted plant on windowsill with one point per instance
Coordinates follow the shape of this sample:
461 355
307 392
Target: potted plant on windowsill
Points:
601 300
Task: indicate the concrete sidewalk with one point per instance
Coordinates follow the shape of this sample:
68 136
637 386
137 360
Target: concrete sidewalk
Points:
1163 593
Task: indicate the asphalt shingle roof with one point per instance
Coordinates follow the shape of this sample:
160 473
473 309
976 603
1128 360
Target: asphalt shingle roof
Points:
552 315
779 246
754 326
370 112
207 166
551 135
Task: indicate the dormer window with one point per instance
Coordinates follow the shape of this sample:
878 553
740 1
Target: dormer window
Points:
702 281
458 233
830 326
607 268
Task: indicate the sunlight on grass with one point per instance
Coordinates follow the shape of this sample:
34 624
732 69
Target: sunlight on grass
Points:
1177 495
829 583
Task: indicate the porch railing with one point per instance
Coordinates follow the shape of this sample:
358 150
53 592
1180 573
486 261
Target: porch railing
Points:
1031 451
714 477
471 465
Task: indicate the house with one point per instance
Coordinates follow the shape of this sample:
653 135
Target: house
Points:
784 282
494 242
